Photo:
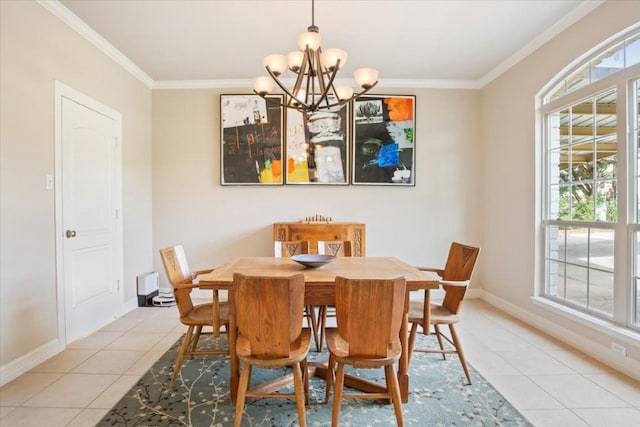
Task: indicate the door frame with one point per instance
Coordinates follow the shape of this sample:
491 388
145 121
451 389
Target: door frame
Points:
62 91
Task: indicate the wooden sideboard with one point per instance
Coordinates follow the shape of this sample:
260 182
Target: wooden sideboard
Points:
314 231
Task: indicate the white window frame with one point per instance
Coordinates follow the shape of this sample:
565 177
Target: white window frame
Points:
627 223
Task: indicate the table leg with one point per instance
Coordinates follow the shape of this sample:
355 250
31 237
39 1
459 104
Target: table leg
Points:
427 310
216 314
234 363
403 364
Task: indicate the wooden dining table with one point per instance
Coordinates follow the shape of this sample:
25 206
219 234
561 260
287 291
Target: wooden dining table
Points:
320 290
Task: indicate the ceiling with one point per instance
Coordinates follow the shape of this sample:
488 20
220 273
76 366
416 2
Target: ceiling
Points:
459 43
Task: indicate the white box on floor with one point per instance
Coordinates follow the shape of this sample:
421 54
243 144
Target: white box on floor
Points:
148 283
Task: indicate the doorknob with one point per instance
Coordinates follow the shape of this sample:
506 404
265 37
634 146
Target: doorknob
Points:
70 234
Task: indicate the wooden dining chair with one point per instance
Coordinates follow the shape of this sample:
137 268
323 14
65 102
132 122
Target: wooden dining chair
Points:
214 314
455 280
269 313
337 248
287 249
369 317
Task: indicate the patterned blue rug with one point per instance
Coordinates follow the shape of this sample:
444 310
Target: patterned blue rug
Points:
438 397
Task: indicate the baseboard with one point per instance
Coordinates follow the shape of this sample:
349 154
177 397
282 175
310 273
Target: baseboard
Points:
19 366
130 305
599 352
473 293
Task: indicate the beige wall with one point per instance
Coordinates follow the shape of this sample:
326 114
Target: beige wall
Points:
215 223
37 49
509 149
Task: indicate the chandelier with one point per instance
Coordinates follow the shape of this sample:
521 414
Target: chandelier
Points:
315 70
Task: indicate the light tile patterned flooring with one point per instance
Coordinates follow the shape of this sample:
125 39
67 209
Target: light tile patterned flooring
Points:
548 381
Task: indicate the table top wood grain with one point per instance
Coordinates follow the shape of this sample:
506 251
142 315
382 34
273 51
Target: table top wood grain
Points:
350 267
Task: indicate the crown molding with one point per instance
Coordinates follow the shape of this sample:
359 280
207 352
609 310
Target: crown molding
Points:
383 83
66 16
203 84
69 18
429 84
571 18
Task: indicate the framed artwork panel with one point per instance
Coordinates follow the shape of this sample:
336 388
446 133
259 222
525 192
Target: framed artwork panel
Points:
251 140
384 148
317 147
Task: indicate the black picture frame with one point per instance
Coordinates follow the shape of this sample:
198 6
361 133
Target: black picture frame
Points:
251 140
384 145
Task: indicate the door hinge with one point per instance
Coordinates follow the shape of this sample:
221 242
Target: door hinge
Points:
117 214
118 284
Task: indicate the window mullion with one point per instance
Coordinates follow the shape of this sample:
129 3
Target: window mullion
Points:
623 262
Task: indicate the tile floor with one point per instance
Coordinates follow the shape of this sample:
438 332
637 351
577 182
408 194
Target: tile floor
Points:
549 382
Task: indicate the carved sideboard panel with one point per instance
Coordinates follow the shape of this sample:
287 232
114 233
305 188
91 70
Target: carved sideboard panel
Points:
314 231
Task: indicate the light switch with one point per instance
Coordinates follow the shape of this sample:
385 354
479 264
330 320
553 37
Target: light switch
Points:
49 182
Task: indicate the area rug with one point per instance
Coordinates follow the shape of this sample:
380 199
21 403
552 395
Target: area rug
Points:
438 397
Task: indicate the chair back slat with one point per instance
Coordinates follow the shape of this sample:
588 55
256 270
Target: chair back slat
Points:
263 305
369 314
175 264
287 249
337 248
460 264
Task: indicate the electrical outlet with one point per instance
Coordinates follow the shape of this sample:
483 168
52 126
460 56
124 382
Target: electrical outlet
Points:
619 348
48 185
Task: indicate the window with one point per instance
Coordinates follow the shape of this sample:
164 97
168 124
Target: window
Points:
634 137
592 202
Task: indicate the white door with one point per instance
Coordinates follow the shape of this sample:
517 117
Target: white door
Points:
90 225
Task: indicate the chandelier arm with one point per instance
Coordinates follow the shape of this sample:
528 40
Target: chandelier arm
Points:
275 79
312 63
308 71
270 100
319 75
304 108
356 95
305 67
321 97
325 87
351 98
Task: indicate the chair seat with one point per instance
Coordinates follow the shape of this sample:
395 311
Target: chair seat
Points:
339 348
439 314
202 314
297 352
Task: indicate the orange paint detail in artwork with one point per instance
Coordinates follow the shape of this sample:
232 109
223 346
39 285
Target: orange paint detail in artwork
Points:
400 109
276 168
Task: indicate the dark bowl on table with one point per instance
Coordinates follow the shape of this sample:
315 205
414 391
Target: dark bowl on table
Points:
313 261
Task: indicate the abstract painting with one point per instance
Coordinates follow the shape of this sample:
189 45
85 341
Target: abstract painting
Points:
251 140
383 150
